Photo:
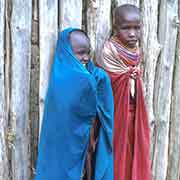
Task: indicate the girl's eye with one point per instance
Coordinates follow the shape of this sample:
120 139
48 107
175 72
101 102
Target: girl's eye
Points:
125 28
137 28
81 52
84 52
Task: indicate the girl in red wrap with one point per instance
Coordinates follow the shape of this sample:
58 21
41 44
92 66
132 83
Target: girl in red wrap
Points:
121 57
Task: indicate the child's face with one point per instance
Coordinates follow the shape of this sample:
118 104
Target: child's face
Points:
128 29
80 46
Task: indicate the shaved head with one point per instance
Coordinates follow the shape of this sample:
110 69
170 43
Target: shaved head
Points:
79 38
123 11
78 32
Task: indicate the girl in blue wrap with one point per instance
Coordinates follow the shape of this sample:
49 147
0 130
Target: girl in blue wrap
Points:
77 96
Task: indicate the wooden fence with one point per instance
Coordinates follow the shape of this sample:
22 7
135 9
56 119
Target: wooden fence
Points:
28 34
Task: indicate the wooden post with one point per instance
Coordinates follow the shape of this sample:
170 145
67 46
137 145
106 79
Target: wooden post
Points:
98 23
174 145
163 87
20 80
34 84
70 13
48 29
151 50
4 166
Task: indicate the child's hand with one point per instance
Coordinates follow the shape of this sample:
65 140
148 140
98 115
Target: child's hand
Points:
135 72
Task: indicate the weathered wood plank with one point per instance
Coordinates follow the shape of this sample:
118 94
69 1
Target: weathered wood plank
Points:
103 25
35 4
4 171
92 20
34 85
48 29
98 28
20 80
163 87
174 145
151 50
70 13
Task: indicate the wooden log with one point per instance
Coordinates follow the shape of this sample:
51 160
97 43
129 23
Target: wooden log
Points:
34 85
151 50
4 165
48 29
163 87
174 145
20 80
70 13
98 28
35 4
103 25
91 21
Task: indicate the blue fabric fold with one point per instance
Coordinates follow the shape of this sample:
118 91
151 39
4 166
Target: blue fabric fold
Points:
76 95
105 111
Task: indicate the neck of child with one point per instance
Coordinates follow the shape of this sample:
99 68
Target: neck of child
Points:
118 40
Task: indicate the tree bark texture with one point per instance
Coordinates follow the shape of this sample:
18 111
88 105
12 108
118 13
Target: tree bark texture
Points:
20 31
48 29
28 35
4 172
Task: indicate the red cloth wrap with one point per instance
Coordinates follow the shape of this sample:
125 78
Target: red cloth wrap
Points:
131 130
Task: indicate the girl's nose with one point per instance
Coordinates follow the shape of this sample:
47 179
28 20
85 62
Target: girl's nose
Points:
132 33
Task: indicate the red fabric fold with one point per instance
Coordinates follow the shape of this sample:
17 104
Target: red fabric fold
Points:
131 130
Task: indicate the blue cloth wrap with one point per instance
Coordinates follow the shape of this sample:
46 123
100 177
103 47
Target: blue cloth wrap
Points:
76 96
